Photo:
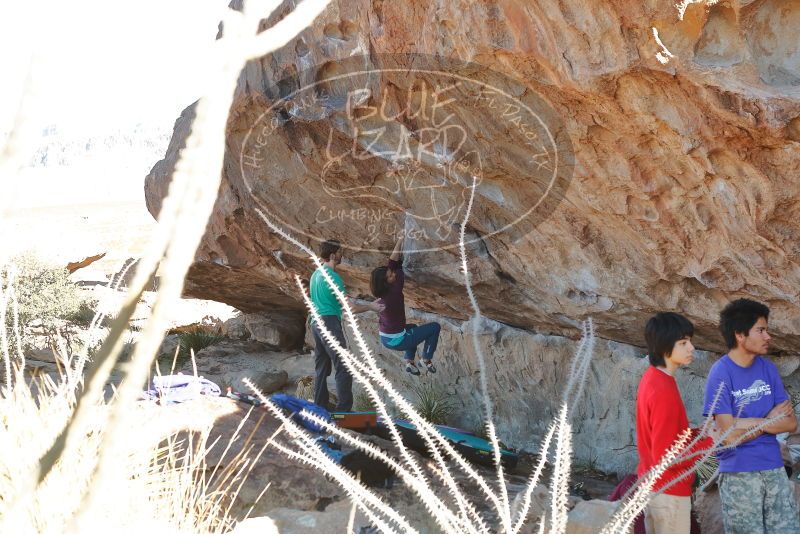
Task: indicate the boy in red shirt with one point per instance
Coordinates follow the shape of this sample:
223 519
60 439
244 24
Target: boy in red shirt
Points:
661 418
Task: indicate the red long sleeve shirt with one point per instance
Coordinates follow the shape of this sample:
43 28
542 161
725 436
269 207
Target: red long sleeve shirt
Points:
660 418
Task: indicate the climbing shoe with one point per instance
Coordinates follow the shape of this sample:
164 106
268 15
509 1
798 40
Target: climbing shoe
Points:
413 369
429 366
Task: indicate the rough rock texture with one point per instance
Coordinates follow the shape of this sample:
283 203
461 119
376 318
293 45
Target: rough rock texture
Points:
529 372
169 345
296 488
709 511
227 364
682 194
280 331
684 190
589 517
291 484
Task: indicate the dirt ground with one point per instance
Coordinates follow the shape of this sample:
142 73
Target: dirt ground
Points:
72 232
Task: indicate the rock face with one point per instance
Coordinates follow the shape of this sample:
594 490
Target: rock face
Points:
682 197
227 364
590 516
675 135
528 374
280 331
709 511
298 492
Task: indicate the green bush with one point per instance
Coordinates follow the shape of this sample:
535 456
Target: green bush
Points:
363 403
44 294
85 314
195 341
47 301
433 403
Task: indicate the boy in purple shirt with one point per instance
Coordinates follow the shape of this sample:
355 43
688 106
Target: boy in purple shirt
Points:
387 285
756 494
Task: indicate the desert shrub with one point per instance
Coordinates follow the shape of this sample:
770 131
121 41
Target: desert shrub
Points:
159 500
195 341
363 403
85 314
188 342
49 305
432 403
44 292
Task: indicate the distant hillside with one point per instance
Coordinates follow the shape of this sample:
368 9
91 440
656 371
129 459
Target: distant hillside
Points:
82 195
137 146
69 167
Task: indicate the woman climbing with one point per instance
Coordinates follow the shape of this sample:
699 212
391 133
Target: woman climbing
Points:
387 285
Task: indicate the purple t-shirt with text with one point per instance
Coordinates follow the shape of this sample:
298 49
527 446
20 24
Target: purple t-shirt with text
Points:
393 318
748 392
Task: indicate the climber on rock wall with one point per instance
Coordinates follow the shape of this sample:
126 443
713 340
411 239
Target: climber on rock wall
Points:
387 285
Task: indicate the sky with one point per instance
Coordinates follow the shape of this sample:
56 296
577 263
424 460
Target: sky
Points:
105 64
98 68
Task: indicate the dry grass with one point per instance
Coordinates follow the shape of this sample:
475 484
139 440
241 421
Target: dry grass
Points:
159 483
70 462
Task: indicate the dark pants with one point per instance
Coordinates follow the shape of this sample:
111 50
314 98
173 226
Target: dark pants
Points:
325 358
429 333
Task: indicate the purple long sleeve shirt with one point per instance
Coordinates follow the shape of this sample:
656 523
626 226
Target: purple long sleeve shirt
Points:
393 318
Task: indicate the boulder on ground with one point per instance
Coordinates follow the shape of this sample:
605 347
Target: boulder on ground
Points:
256 525
589 517
334 518
235 328
168 346
708 509
271 380
228 363
282 330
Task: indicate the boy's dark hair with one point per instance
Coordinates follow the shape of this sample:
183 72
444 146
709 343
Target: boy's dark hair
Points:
329 247
378 283
740 316
663 330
